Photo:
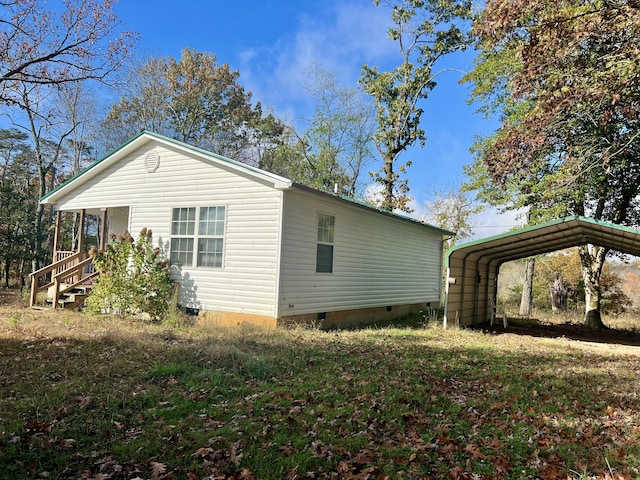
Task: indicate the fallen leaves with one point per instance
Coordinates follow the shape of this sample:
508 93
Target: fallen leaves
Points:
350 405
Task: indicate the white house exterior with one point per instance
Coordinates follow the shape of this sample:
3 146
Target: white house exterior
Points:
248 245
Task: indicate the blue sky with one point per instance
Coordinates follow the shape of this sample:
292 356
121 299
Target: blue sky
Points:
273 43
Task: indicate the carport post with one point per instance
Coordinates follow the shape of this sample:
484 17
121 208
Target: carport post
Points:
446 299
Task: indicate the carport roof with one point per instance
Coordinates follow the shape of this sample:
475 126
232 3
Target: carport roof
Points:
548 237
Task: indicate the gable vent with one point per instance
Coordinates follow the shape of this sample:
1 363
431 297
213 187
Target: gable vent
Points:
151 162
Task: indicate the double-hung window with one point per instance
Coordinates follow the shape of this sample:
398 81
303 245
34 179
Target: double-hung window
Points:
197 236
324 248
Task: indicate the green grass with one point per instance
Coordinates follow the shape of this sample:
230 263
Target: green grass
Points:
97 397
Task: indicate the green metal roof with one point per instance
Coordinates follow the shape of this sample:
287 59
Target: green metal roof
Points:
551 236
95 166
113 156
368 206
474 267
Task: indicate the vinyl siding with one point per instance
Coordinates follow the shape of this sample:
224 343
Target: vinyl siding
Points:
378 260
247 282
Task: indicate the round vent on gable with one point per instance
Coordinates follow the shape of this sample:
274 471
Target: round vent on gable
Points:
151 162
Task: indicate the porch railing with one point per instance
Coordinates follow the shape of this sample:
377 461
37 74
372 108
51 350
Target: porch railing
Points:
64 274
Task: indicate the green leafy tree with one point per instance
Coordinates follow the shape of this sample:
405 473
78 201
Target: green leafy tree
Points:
567 264
17 203
195 100
134 278
425 31
17 234
452 210
564 79
337 143
339 139
289 159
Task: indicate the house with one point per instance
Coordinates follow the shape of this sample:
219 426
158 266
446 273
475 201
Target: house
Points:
249 245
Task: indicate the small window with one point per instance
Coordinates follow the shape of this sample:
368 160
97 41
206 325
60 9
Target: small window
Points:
324 248
204 245
184 221
210 240
182 251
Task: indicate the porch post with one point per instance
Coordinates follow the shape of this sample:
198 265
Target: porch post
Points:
103 230
81 232
80 249
56 237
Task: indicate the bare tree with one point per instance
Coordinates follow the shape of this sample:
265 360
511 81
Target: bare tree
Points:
39 46
44 55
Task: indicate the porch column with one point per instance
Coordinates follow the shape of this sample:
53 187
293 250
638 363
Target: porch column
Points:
81 231
103 230
56 237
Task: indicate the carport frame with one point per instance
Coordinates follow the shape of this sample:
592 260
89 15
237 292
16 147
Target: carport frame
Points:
473 268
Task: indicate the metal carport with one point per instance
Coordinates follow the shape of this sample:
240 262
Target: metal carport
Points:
472 268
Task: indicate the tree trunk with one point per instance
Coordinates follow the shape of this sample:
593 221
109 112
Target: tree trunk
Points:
558 295
388 183
527 288
7 271
592 260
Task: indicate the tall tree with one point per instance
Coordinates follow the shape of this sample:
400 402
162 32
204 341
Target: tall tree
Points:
452 210
425 30
44 53
17 202
526 299
339 136
289 158
78 106
45 117
337 143
193 99
565 79
41 46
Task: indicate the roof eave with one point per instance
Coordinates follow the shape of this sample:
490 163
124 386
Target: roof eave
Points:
369 207
144 136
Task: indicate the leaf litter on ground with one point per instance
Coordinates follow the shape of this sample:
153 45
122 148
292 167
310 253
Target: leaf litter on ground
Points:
100 397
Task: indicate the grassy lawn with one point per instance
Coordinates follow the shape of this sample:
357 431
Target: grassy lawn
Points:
102 398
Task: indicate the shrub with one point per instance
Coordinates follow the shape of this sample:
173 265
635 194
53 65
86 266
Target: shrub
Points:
134 278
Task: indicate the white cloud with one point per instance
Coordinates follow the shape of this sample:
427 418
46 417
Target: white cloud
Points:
491 222
340 40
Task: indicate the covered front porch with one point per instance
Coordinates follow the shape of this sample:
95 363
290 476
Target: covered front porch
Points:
68 279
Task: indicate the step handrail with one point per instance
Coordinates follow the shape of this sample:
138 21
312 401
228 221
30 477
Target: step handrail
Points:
50 268
58 277
54 265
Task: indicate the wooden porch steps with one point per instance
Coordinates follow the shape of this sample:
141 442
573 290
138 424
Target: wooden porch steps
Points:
73 298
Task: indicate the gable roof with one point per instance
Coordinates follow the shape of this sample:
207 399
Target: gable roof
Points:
142 138
473 267
278 181
549 237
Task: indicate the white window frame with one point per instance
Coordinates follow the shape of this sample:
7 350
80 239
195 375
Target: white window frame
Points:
196 235
323 240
